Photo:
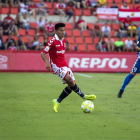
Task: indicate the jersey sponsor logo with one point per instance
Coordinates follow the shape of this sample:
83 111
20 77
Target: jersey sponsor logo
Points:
63 51
57 45
112 63
47 48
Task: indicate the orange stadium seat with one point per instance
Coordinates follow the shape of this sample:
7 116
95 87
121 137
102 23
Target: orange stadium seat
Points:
71 40
90 25
51 11
69 26
91 47
115 26
96 40
68 32
87 12
33 24
25 39
71 46
14 10
41 33
5 38
130 6
86 33
88 40
82 47
79 40
109 1
5 10
118 1
31 32
49 4
76 33
78 12
54 4
22 32
136 5
113 33
15 37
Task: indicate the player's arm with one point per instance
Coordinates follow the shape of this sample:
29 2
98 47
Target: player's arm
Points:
138 45
137 48
43 55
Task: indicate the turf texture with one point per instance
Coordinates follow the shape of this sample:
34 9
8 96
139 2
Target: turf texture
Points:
26 111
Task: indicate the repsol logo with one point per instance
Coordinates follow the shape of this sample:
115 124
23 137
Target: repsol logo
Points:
112 63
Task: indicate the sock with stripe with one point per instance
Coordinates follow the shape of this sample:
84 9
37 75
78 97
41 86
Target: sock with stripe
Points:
76 89
64 94
127 79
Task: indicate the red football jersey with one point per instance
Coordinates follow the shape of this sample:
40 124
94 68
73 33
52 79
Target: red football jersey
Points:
9 19
50 28
56 49
60 6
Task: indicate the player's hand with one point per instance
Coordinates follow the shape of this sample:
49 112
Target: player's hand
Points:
48 67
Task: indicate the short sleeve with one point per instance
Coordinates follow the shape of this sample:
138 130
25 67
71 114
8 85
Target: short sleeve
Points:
48 46
138 42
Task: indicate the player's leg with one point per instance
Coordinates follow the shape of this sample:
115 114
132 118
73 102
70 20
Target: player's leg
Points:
75 88
129 77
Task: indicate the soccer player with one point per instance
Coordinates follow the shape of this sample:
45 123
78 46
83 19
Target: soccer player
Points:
134 71
56 49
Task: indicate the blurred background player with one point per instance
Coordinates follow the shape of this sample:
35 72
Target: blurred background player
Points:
134 71
56 48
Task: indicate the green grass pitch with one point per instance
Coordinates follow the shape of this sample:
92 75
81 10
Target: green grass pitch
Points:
26 111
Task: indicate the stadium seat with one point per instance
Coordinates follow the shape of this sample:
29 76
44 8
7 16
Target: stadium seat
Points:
31 32
22 32
68 32
25 39
88 40
5 38
87 12
109 1
71 46
136 5
82 47
96 40
15 37
68 25
79 40
115 26
76 33
49 5
41 38
86 33
90 25
71 40
14 10
91 47
54 4
118 1
36 0
5 10
78 12
41 33
51 11
113 33
123 39
100 24
33 25
115 39
130 6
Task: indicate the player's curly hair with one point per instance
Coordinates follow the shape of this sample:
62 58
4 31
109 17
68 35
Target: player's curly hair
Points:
58 25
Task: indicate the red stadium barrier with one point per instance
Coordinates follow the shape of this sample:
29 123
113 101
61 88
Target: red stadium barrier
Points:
78 62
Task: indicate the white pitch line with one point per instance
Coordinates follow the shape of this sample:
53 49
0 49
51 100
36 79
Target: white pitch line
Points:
84 75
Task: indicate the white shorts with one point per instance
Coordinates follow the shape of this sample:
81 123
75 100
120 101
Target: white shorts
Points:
62 72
